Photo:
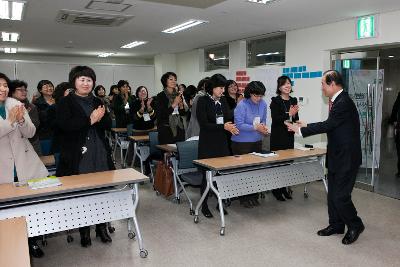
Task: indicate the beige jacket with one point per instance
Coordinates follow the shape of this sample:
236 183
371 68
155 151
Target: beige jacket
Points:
15 148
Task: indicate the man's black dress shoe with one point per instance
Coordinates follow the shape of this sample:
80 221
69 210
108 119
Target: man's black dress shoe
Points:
330 230
352 235
34 250
102 233
206 212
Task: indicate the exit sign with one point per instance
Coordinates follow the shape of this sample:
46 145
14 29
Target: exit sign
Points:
366 27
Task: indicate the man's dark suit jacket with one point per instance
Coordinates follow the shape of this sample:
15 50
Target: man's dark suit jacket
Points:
343 130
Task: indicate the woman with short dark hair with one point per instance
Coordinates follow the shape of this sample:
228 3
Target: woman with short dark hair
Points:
46 107
19 90
142 112
82 121
170 111
215 121
100 93
283 108
250 118
122 104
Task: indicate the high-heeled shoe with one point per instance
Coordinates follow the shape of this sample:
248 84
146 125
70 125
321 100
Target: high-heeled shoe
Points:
34 250
286 193
278 195
206 211
85 237
102 233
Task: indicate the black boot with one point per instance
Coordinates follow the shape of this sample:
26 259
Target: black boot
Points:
278 194
206 211
286 193
85 236
101 231
34 250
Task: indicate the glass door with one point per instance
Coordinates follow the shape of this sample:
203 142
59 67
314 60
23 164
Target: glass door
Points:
363 80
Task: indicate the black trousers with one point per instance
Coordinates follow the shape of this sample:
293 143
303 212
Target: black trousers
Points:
341 209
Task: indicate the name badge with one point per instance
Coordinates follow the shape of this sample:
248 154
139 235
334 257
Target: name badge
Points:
176 111
220 120
256 120
146 117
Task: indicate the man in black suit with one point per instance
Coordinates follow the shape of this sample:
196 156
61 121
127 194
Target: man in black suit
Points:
343 157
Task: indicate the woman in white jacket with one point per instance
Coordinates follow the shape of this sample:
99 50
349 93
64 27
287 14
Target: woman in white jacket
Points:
18 159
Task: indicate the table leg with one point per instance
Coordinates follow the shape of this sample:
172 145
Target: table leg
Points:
221 207
174 163
324 179
134 153
143 252
115 144
196 211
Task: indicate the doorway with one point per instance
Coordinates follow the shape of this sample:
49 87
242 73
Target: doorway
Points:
372 81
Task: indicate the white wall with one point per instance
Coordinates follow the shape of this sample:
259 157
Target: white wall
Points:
32 69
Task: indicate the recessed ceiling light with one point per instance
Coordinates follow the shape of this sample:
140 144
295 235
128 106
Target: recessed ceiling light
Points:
9 36
212 56
134 44
391 56
10 50
106 54
183 26
261 1
11 10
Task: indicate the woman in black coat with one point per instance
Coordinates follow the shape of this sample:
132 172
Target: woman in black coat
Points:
46 107
142 112
215 120
122 104
82 121
283 108
170 112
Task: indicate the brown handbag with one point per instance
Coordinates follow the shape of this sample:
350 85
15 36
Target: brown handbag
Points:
163 181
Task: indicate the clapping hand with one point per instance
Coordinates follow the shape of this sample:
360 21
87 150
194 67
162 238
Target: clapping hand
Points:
293 110
301 124
97 114
230 127
262 128
16 114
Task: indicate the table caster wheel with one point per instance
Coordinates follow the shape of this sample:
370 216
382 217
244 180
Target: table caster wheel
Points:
143 253
222 231
191 212
111 229
305 195
70 239
158 193
176 200
131 235
196 219
44 243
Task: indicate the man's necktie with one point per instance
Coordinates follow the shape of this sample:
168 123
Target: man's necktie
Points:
330 104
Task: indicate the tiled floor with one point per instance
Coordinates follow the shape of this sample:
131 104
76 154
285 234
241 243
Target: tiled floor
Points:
273 234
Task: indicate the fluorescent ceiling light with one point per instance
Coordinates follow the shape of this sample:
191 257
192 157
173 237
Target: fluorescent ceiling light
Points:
186 25
10 50
15 9
134 44
268 54
105 54
9 36
219 58
391 56
212 56
260 1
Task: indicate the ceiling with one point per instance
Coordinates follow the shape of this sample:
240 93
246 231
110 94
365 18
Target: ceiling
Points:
228 20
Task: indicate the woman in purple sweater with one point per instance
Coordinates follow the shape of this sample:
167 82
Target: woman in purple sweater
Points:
250 119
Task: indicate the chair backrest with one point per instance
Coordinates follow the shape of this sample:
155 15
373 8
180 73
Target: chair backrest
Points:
45 146
129 129
187 151
153 141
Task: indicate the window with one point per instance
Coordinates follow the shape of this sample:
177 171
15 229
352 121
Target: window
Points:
266 51
216 57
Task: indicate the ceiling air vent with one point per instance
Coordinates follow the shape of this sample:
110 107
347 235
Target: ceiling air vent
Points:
88 18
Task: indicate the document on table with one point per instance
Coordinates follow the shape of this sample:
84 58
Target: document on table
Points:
271 154
44 182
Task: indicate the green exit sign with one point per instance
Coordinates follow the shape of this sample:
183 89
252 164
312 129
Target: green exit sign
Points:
366 27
